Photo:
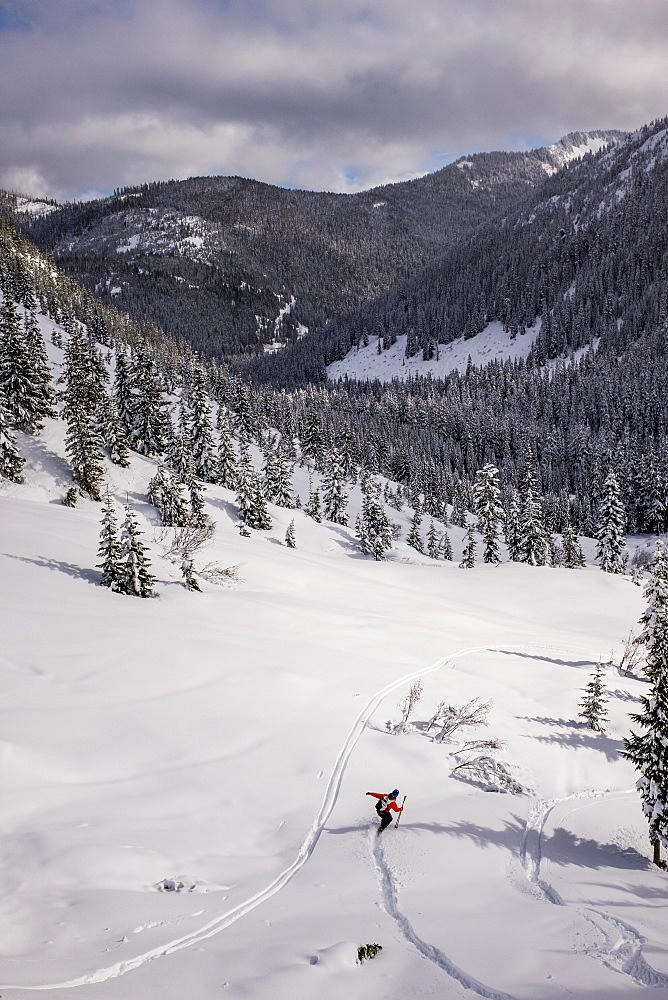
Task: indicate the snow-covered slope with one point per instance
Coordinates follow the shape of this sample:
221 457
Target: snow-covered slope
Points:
183 777
491 344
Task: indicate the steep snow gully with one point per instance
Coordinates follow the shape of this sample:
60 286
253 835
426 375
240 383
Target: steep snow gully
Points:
625 955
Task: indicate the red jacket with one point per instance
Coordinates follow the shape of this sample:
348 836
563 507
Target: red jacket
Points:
392 804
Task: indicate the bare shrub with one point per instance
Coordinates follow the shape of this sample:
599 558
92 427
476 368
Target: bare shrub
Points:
453 717
412 698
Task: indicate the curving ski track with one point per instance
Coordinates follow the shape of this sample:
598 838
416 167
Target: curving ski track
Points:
224 920
625 954
429 951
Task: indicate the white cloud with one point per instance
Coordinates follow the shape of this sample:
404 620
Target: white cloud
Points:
96 95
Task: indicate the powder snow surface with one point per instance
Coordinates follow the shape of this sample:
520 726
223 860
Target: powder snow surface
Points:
218 746
491 344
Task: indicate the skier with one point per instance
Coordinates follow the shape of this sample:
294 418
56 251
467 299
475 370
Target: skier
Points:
386 802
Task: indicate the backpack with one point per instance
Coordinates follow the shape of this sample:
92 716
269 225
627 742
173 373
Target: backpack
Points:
382 804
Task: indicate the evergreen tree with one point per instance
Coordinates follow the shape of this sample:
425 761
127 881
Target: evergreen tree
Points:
82 444
610 529
290 535
468 555
414 537
147 433
195 489
649 750
335 498
512 530
123 394
135 565
532 541
11 461
188 574
41 370
312 507
312 441
226 471
446 546
201 428
109 552
487 500
433 542
107 428
21 380
277 476
572 557
656 595
374 531
592 706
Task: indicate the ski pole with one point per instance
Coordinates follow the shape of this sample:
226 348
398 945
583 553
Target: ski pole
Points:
399 816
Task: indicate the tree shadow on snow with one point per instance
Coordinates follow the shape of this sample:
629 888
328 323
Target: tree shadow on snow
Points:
562 847
59 566
546 659
584 740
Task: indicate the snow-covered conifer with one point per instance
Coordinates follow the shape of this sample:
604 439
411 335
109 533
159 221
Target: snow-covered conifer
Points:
468 555
21 384
188 574
135 564
226 471
446 546
487 500
11 461
572 557
532 540
201 428
312 507
109 552
108 429
123 394
414 536
592 706
147 432
512 526
433 542
335 498
374 531
290 540
610 529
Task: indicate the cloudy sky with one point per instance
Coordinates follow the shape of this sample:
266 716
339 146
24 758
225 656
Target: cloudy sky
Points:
322 94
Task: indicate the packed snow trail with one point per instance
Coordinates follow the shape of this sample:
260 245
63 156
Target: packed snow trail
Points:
429 951
625 953
219 923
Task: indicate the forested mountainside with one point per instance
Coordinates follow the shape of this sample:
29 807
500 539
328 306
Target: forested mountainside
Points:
233 265
586 254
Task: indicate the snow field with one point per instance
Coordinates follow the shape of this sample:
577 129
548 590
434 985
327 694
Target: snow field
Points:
223 738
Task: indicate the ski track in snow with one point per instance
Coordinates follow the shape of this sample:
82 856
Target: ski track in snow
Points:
623 952
224 920
429 951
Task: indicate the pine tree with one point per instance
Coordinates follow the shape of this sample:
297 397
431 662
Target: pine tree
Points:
512 530
532 541
147 433
109 551
188 574
312 506
592 706
656 595
446 546
487 500
41 369
135 575
374 531
468 555
107 428
21 382
335 498
312 440
648 751
290 536
11 461
414 537
573 557
201 428
123 394
81 395
610 529
226 471
433 542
